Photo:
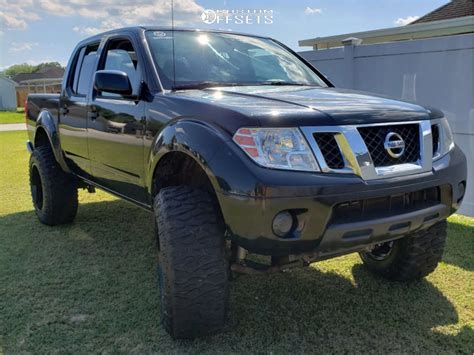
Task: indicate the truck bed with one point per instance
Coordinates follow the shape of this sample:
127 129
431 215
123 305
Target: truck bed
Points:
41 102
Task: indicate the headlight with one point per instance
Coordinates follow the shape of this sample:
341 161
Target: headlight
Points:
278 148
445 138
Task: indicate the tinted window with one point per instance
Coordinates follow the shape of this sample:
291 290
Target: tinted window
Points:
122 56
85 76
78 63
85 66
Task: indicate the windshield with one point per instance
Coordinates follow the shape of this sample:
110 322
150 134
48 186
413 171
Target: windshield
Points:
204 59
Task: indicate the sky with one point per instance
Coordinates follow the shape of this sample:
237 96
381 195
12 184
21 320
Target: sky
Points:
34 31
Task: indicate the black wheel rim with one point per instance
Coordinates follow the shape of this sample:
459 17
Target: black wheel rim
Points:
36 188
381 251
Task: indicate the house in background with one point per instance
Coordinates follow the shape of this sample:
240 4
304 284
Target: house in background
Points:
453 18
452 10
429 61
7 94
45 80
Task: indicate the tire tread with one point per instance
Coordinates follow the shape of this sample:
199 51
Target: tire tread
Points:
417 255
60 198
195 288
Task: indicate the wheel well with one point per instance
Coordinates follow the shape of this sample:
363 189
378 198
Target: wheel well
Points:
41 138
176 169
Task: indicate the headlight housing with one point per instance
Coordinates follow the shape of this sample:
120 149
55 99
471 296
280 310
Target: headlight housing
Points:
277 148
443 140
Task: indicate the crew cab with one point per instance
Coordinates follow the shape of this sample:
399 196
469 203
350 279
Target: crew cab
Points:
238 145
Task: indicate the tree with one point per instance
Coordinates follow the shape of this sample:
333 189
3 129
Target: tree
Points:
47 65
15 69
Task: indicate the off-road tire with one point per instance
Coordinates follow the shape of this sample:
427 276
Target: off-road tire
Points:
193 271
54 192
412 257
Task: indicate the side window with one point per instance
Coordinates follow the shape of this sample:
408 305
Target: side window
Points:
77 69
83 69
87 68
121 56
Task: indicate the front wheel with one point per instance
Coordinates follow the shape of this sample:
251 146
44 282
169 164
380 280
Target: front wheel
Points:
409 258
192 267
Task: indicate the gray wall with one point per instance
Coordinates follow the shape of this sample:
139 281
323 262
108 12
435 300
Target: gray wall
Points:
7 94
436 72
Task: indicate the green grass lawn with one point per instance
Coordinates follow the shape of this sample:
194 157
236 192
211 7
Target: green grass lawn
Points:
91 287
11 117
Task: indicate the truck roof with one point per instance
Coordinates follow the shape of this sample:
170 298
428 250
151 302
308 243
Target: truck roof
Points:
139 29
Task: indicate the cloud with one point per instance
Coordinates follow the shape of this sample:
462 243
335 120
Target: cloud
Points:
56 7
12 22
108 14
405 21
93 14
21 46
16 14
312 10
106 25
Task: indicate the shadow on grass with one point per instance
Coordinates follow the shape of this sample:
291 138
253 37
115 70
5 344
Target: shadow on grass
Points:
91 286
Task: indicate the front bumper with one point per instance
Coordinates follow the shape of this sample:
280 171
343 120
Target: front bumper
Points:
322 203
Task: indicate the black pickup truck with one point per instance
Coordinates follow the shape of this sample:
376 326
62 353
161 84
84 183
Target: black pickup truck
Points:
238 145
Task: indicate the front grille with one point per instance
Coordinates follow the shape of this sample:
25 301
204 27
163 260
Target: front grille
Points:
330 150
364 210
435 133
374 137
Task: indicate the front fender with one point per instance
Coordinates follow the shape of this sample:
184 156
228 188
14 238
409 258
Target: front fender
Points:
47 123
197 139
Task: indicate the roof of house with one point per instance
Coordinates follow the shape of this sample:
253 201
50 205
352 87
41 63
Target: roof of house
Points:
453 9
44 73
4 78
433 29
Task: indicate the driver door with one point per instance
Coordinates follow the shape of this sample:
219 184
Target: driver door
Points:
116 127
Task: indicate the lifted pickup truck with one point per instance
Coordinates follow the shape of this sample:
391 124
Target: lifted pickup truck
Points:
238 145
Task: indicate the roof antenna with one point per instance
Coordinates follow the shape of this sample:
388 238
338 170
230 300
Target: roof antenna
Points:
172 34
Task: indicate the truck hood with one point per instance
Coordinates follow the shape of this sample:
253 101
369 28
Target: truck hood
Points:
306 106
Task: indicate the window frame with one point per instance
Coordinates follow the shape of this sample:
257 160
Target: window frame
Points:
103 58
78 61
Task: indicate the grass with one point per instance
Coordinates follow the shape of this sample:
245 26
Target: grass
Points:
91 287
12 117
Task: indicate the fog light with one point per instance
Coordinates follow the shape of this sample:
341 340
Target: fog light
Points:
282 223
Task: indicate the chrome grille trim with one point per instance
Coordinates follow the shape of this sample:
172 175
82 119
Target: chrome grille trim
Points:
357 158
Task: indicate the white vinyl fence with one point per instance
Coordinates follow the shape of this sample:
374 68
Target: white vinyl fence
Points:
437 72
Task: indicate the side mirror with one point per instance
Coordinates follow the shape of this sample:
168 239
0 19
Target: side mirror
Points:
113 81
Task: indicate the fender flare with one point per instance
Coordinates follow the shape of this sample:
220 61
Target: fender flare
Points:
198 140
227 167
48 124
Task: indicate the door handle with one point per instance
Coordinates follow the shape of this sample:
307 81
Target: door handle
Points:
64 110
92 114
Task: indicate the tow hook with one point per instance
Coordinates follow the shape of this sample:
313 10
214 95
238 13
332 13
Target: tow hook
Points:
278 264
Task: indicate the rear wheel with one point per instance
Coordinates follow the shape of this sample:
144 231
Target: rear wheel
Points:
409 258
192 267
54 193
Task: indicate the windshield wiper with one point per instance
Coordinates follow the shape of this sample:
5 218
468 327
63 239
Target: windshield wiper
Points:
283 83
204 85
211 84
